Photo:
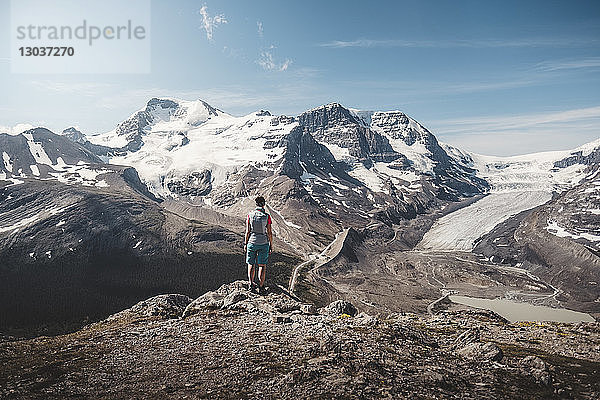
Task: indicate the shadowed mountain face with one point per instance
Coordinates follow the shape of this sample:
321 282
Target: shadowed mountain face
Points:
71 252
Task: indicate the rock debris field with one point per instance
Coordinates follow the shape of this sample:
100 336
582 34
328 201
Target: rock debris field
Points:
234 344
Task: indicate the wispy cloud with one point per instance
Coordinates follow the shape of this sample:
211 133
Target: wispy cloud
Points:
467 43
268 63
15 129
569 64
259 27
209 23
519 123
533 132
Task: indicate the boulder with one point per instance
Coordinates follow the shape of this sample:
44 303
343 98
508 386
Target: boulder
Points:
165 305
536 367
340 307
216 299
480 352
209 300
469 336
233 298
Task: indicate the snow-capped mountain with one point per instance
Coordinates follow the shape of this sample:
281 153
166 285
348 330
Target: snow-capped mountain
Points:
175 143
324 169
179 145
333 163
39 153
193 149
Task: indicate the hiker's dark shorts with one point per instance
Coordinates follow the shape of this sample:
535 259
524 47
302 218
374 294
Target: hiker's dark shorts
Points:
257 254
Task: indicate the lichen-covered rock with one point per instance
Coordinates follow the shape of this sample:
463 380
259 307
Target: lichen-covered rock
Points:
467 337
481 352
340 307
233 298
216 299
536 367
165 305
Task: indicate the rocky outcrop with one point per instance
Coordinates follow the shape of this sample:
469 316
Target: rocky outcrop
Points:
592 157
336 125
194 184
165 306
236 296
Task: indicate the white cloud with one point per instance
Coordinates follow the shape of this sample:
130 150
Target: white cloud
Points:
259 26
210 23
469 43
519 122
267 62
285 64
572 64
15 129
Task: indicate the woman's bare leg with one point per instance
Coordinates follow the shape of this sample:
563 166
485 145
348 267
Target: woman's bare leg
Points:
262 272
251 271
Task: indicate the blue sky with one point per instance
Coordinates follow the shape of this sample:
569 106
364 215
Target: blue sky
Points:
499 78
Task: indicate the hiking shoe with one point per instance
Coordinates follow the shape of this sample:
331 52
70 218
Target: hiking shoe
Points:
251 287
262 290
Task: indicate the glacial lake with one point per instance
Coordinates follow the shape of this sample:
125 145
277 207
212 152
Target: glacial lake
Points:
514 311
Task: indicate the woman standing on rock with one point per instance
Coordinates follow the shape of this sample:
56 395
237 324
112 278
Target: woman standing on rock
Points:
258 244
